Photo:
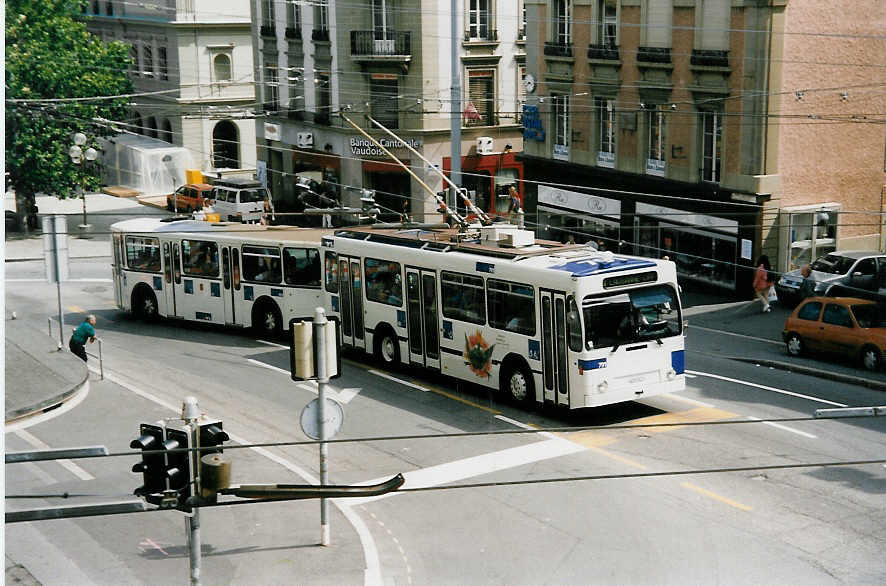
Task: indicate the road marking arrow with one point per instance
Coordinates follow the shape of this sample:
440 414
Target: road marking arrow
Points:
345 395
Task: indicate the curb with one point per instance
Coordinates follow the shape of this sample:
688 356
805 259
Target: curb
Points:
817 372
48 404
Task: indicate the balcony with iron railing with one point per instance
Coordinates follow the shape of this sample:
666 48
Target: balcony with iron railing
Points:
557 49
603 52
381 46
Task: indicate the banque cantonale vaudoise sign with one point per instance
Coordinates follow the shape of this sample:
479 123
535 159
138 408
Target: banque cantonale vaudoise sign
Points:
363 147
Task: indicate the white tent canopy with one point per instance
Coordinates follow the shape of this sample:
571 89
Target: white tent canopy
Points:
145 164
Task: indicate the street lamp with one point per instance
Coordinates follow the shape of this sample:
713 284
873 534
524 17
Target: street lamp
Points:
78 154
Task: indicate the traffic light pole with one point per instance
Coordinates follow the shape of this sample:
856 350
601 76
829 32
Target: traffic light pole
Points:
191 415
320 323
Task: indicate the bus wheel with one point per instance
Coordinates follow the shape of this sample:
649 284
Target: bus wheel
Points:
266 320
144 304
387 347
516 384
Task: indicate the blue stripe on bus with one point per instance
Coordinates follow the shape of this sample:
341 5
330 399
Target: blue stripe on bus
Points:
451 351
248 293
189 286
401 318
158 283
584 268
215 289
678 361
592 364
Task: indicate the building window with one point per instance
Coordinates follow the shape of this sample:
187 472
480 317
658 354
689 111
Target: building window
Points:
560 108
321 15
109 8
383 20
712 130
296 90
167 131
324 102
225 145
163 64
221 67
521 32
655 123
480 110
478 20
272 90
521 93
135 69
293 15
659 20
148 59
563 22
607 23
383 90
267 14
605 110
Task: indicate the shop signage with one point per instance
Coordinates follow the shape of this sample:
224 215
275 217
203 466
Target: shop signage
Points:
684 217
272 131
579 202
532 126
363 147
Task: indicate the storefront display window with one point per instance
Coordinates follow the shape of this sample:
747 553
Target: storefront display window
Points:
810 233
555 225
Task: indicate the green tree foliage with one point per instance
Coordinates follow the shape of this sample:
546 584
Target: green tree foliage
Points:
50 55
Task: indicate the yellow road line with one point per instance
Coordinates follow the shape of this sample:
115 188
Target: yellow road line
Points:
715 496
690 416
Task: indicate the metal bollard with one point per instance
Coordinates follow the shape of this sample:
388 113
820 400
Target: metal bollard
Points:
49 323
101 365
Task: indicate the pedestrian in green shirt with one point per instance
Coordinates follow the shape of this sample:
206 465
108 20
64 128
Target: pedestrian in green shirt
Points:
85 331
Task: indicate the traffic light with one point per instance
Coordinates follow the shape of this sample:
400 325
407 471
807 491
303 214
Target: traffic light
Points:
153 464
178 462
211 436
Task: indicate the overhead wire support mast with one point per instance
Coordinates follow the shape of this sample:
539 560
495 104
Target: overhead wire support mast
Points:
484 219
445 209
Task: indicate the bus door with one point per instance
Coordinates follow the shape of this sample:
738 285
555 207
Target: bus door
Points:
351 298
555 356
422 318
227 285
170 250
117 270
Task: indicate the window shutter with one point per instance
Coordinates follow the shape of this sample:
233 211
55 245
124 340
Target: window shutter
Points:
481 93
659 18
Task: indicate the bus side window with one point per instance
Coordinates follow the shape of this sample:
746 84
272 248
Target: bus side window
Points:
226 275
236 271
176 264
511 306
573 325
463 297
383 281
301 267
331 261
167 265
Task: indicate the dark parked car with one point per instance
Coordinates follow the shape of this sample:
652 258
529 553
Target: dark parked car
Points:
12 223
839 274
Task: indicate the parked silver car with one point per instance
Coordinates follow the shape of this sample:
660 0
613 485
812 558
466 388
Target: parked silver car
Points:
852 273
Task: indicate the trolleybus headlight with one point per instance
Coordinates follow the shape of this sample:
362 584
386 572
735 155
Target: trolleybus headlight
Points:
602 387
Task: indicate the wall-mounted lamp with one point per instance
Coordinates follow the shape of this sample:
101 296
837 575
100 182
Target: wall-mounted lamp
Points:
673 106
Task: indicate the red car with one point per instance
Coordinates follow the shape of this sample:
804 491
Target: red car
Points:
842 325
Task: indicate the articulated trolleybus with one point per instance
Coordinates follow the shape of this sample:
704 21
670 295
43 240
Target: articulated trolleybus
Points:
223 273
538 321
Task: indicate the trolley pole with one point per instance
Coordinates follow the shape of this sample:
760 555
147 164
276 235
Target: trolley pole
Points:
191 415
320 324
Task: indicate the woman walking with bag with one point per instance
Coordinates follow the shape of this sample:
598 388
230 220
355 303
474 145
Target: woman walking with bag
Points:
762 282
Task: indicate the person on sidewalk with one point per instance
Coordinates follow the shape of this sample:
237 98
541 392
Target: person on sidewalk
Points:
762 283
807 287
85 331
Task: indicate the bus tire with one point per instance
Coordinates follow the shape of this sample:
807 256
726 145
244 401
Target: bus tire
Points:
266 319
516 383
387 346
144 304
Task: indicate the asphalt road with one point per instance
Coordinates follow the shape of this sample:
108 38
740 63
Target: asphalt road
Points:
809 525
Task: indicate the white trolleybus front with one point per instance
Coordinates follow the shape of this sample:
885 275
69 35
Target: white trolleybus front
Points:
222 273
538 321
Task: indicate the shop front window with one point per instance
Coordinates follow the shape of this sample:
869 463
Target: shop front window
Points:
811 235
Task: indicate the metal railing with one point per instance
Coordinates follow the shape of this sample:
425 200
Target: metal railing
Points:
392 43
99 356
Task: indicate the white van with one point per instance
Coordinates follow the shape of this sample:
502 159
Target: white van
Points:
241 200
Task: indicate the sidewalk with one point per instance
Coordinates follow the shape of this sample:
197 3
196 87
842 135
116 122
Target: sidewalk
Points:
38 376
